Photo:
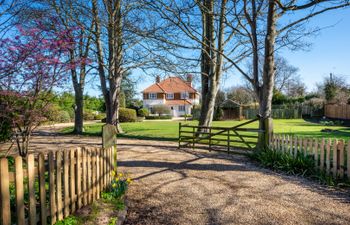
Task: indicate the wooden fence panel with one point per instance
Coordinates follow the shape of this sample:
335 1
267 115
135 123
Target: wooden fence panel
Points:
341 158
322 154
75 178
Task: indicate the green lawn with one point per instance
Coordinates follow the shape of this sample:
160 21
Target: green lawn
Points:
168 130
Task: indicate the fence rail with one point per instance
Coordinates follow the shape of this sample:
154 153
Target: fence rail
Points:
46 188
330 156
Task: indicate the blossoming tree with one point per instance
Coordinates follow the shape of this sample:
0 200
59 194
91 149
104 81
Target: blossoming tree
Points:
32 64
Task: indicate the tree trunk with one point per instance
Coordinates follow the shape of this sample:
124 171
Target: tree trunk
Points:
78 112
211 63
268 75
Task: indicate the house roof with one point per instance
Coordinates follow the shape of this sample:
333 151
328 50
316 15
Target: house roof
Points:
178 102
170 85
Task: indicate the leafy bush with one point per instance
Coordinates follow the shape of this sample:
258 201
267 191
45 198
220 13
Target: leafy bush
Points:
99 116
186 115
165 117
142 112
88 114
218 114
5 130
63 117
332 122
275 160
160 110
127 115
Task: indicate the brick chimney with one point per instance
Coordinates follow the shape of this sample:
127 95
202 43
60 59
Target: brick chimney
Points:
189 79
158 79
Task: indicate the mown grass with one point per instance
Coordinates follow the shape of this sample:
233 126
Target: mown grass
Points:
169 130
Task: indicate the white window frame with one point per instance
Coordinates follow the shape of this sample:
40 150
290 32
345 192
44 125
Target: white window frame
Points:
182 108
185 95
152 95
170 96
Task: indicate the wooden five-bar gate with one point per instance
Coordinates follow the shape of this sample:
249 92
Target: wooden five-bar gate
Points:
212 137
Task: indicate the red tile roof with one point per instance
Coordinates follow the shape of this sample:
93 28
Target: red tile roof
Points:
170 85
178 102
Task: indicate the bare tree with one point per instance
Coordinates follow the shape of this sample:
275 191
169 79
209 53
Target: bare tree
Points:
74 14
265 33
119 48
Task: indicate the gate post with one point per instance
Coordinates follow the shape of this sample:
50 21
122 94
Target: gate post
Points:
268 132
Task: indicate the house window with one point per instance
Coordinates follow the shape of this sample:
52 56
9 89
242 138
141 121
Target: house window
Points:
152 95
170 96
181 108
184 95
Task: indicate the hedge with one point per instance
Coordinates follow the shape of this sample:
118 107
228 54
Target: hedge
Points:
127 115
165 117
143 112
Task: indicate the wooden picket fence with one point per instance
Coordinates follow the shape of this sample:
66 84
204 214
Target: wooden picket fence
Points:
330 155
46 188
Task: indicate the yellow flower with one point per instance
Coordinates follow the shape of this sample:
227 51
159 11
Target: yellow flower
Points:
113 173
116 179
114 185
120 174
128 180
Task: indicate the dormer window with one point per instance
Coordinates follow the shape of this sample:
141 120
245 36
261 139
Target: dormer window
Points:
152 95
170 96
185 95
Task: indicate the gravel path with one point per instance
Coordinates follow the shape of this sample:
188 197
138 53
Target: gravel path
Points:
174 186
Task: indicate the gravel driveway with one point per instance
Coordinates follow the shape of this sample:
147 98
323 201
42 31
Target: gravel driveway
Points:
174 186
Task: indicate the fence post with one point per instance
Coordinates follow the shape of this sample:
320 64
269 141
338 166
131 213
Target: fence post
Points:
31 189
179 135
59 185
78 178
4 192
228 141
19 190
335 158
72 180
66 182
341 158
52 188
322 154
328 156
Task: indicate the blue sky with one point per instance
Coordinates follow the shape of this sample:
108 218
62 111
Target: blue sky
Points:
330 53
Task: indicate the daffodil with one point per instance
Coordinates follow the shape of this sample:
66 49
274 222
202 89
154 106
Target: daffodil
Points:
120 174
128 180
113 173
116 179
114 185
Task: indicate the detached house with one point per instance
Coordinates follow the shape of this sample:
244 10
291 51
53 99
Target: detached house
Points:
173 92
